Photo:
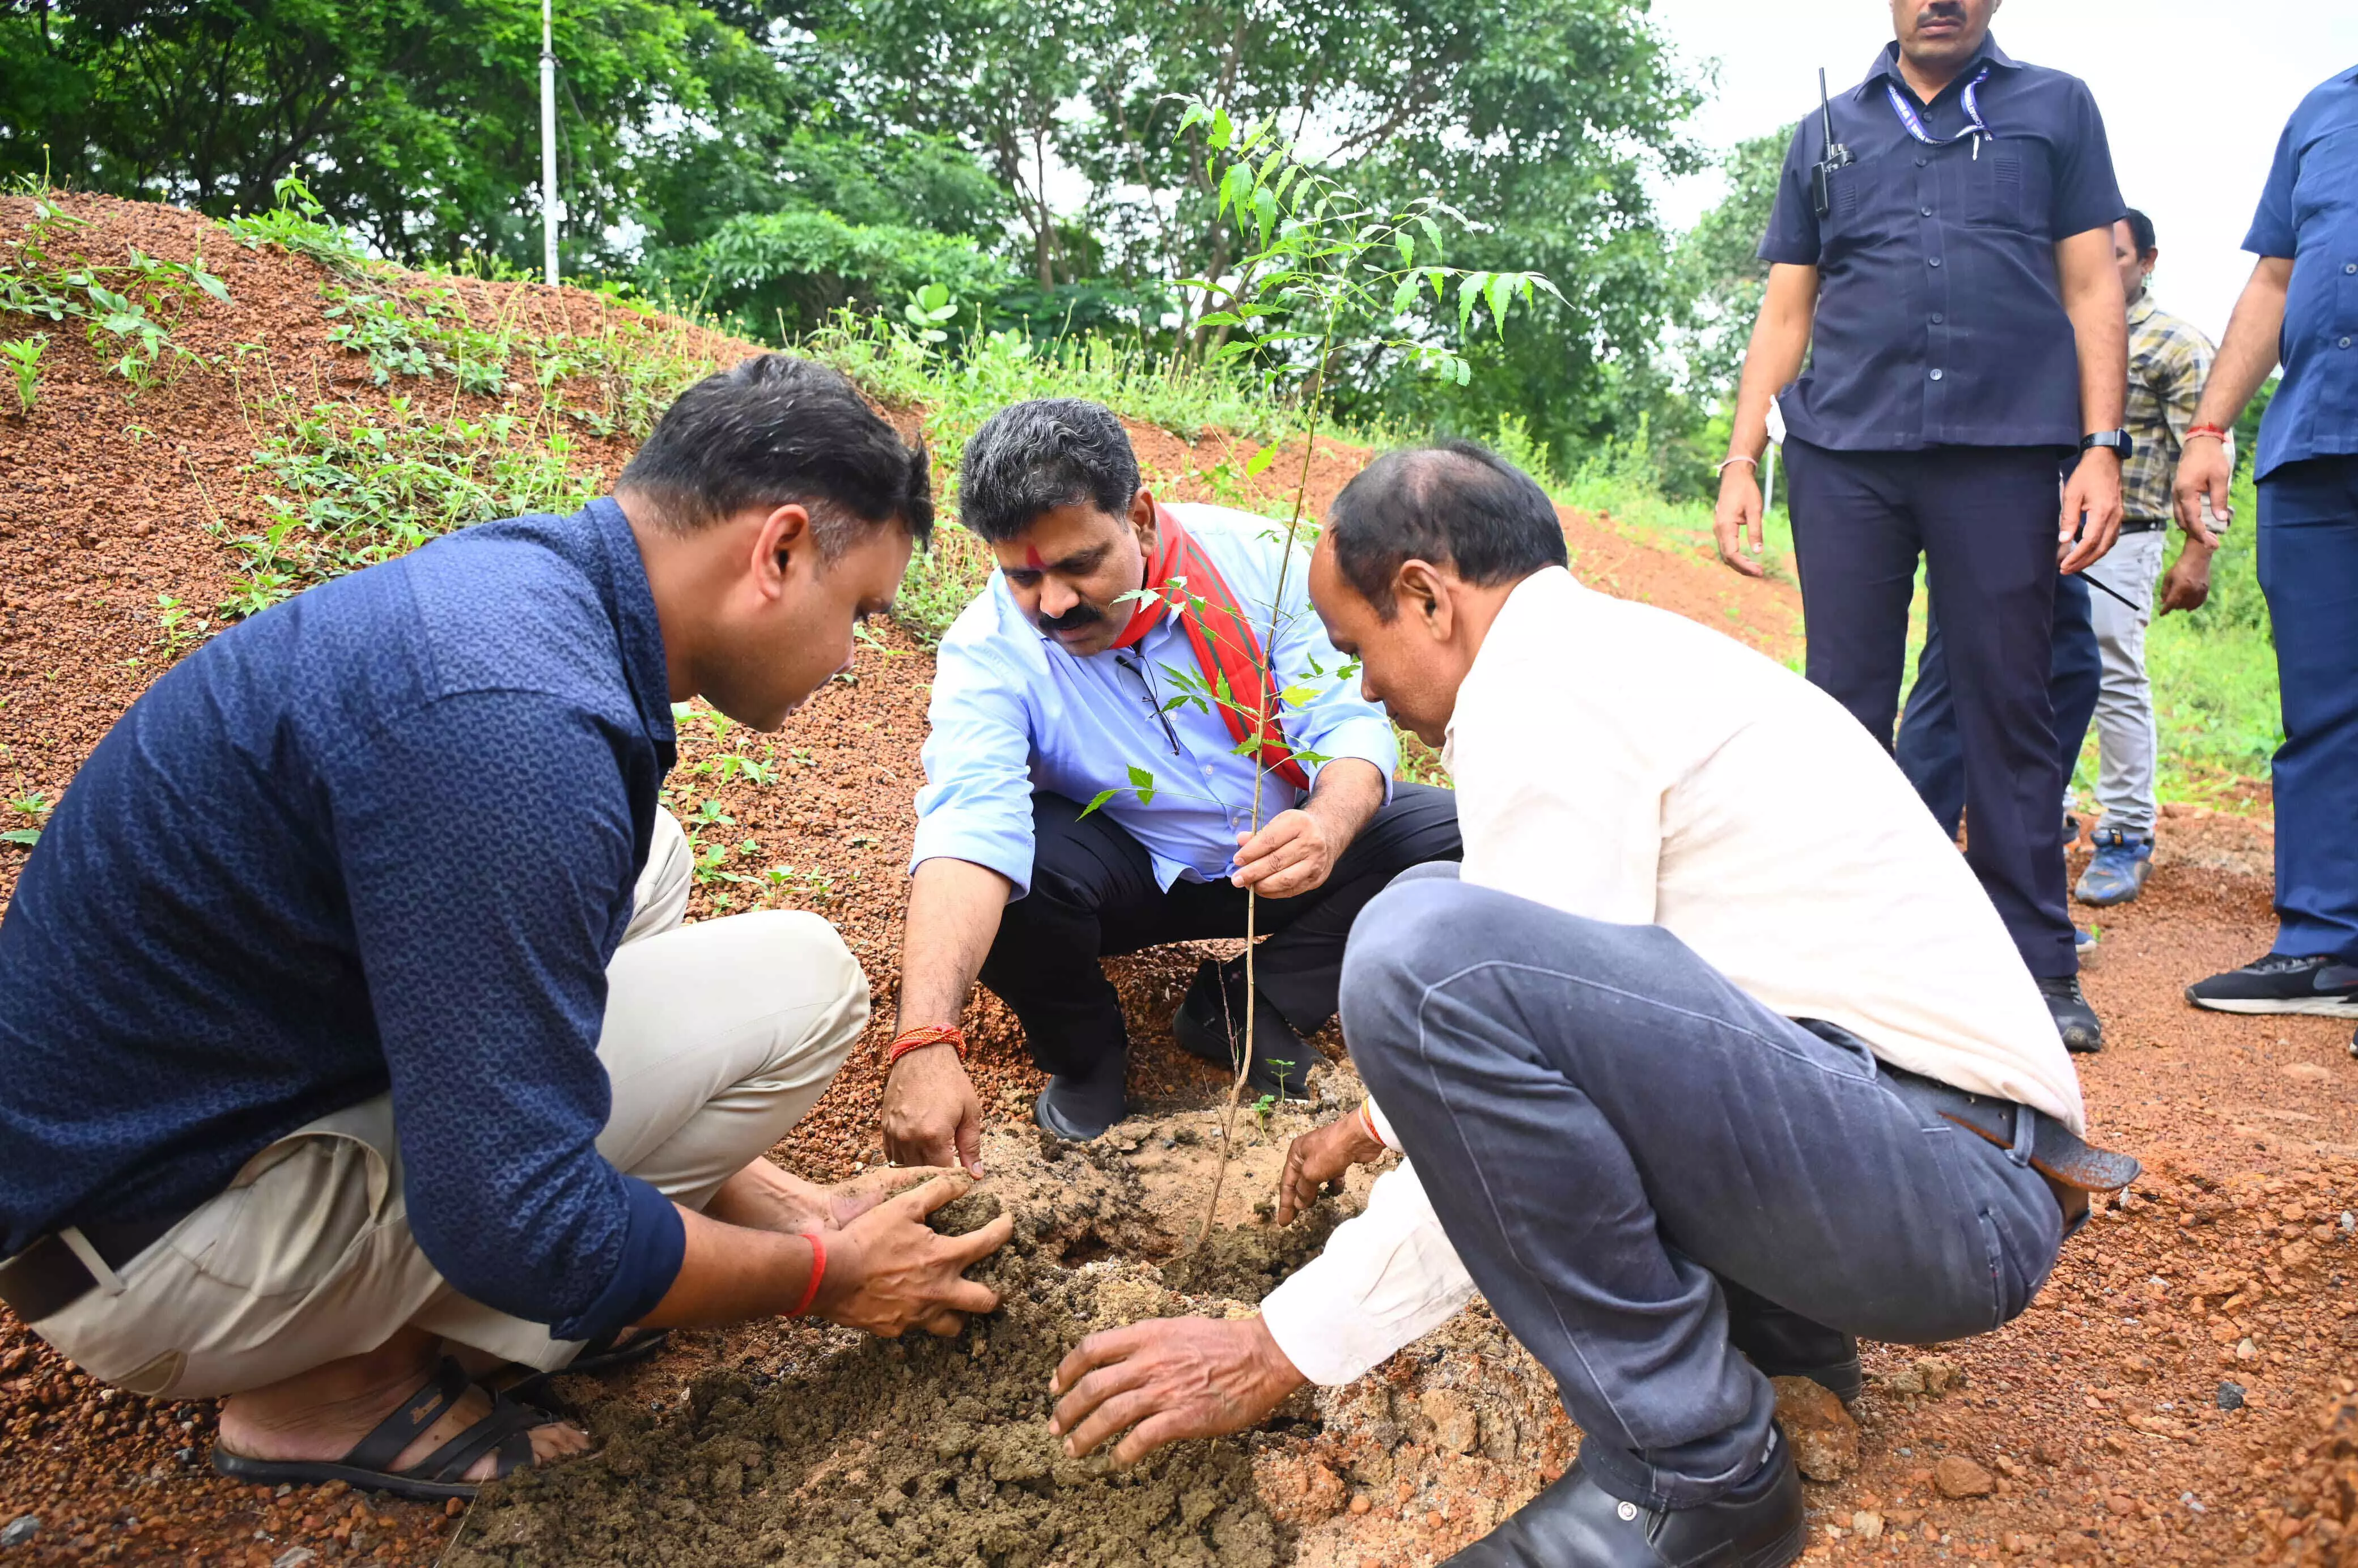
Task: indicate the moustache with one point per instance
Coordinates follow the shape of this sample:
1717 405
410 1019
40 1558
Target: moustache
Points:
1072 619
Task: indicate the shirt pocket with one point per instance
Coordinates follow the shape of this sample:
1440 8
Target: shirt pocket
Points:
1863 200
2009 186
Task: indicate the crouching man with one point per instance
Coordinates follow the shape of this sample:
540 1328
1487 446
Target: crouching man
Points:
1115 655
346 1015
1714 1056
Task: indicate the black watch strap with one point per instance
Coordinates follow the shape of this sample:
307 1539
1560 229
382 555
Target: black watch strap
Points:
2119 440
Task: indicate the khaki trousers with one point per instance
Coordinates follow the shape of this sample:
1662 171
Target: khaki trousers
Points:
717 1038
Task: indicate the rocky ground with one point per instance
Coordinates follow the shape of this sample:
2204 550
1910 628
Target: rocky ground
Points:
2181 1393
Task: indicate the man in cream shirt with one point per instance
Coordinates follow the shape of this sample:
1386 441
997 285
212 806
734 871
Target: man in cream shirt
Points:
1714 1055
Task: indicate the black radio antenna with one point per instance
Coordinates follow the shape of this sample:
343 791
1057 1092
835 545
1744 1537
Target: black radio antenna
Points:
1837 155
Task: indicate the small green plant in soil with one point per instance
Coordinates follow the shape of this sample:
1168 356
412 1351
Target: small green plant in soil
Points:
182 629
24 357
27 810
297 224
128 310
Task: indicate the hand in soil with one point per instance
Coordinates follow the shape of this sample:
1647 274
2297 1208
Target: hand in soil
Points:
931 1114
1316 1157
1168 1379
888 1271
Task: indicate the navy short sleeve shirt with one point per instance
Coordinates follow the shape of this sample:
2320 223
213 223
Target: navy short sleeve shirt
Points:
1939 316
2309 214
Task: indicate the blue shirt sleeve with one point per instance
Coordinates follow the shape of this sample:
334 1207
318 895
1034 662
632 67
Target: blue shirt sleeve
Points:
977 803
485 907
1793 236
2273 231
2087 194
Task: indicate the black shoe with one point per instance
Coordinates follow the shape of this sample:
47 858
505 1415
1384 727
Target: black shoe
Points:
1077 1109
2074 1019
1784 1344
2320 986
1577 1523
1210 1018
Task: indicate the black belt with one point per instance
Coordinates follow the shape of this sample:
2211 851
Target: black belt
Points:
2056 1153
2142 525
46 1278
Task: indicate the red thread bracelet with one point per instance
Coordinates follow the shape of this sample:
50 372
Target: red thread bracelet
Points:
1367 1121
909 1040
818 1272
2212 431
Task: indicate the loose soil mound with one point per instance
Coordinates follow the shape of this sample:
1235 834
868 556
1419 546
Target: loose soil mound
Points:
934 1451
2098 1421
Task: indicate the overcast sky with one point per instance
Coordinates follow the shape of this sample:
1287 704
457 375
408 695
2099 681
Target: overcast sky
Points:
2194 94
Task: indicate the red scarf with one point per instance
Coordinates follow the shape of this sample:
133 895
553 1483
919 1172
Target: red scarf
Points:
1227 651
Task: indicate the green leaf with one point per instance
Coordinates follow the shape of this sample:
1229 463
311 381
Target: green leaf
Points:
1270 165
1498 294
28 837
1298 695
1235 188
1264 204
1224 130
1407 243
1100 799
1405 295
1143 783
1196 112
1260 461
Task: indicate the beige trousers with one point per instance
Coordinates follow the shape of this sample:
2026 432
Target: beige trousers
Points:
717 1038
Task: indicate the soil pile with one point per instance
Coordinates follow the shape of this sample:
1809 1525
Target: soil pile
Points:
927 1451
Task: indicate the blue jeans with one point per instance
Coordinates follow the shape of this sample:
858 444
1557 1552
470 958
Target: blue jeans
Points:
1928 750
2309 569
1607 1127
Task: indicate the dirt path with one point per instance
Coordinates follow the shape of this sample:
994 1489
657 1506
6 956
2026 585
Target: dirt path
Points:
2095 1423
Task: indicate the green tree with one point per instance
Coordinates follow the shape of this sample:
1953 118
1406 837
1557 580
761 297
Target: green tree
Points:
415 121
1719 276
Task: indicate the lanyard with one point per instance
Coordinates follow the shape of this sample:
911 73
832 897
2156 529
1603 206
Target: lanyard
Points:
1915 122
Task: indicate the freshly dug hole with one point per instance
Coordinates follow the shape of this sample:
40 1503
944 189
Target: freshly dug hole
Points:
924 1451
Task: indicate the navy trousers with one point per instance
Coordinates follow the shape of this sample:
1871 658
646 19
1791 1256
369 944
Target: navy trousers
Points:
1983 520
2309 569
1928 750
1094 895
1608 1128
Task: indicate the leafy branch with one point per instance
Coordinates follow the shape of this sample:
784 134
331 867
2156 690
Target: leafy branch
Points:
1325 271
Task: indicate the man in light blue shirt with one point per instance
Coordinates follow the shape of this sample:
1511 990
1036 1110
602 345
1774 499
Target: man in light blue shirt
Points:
1112 663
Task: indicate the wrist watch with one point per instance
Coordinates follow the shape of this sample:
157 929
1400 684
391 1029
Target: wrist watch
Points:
2118 441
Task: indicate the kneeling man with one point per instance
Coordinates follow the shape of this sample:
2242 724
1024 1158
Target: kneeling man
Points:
1115 655
1714 1056
346 1014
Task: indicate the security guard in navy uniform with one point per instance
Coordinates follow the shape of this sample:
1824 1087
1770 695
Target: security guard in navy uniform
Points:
1943 230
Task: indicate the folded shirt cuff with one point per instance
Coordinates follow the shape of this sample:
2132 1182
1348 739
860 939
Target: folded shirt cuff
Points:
943 837
1382 1125
654 1242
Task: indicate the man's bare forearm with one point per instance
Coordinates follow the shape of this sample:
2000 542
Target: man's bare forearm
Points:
731 1274
1348 794
2249 353
954 913
1780 341
2099 324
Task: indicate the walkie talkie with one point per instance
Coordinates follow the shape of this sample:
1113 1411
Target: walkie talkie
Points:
1821 193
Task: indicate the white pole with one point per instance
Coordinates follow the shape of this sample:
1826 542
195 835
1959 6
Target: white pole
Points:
548 141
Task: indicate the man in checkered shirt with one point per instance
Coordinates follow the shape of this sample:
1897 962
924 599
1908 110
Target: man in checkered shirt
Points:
2168 361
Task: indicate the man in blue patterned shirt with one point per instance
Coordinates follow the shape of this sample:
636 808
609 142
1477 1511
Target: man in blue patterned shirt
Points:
346 1015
